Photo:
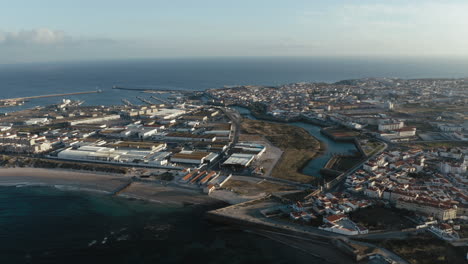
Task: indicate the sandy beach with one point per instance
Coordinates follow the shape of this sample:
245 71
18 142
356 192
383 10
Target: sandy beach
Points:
102 182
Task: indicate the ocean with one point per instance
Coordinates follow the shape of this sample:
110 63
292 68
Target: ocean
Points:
49 225
20 80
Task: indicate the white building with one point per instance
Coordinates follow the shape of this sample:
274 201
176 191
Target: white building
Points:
391 126
452 167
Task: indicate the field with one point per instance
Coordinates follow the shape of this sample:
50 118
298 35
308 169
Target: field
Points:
342 133
298 147
344 163
370 147
381 218
431 145
251 188
432 109
421 126
426 249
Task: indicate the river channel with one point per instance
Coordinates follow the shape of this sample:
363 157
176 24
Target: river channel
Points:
332 147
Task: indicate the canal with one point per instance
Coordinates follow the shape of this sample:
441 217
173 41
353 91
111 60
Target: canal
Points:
332 147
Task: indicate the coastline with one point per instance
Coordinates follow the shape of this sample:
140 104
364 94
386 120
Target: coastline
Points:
71 180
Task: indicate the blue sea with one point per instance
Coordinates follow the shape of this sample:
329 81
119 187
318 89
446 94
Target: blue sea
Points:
47 225
20 80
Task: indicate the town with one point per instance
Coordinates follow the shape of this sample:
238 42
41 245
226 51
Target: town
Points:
408 173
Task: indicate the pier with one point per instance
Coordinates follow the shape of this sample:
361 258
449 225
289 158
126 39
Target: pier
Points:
48 95
160 100
144 100
127 102
121 188
152 90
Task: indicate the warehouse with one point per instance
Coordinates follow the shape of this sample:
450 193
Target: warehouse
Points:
189 137
249 148
112 155
238 160
152 146
192 157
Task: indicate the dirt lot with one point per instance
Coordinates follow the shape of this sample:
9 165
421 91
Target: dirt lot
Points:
253 188
426 249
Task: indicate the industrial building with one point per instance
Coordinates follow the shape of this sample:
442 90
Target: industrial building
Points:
249 148
165 113
238 160
93 120
142 145
193 157
112 155
189 137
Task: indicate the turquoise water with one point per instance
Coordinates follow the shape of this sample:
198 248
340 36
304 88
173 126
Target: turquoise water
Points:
47 225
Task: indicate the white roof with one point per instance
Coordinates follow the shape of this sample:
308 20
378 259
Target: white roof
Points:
239 159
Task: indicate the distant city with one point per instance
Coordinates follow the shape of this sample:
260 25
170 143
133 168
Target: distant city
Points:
406 177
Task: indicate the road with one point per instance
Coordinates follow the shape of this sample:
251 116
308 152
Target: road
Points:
236 118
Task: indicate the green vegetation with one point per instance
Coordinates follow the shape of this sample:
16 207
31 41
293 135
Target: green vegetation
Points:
370 147
341 133
431 145
381 218
426 249
298 145
463 232
427 109
40 129
251 188
344 163
421 126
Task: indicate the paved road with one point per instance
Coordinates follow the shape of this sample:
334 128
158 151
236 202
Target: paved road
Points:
236 118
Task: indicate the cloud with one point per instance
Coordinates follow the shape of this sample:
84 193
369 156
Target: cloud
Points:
40 36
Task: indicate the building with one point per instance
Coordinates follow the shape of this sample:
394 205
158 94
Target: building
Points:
406 132
36 121
166 114
438 210
453 167
93 120
450 127
189 137
238 160
133 157
391 126
193 157
24 143
340 224
145 145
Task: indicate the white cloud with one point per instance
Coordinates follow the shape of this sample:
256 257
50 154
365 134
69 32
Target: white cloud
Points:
40 36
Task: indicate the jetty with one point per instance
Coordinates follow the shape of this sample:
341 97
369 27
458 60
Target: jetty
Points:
127 102
48 95
144 100
152 90
121 188
160 100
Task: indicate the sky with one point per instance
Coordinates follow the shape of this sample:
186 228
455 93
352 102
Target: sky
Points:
67 30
